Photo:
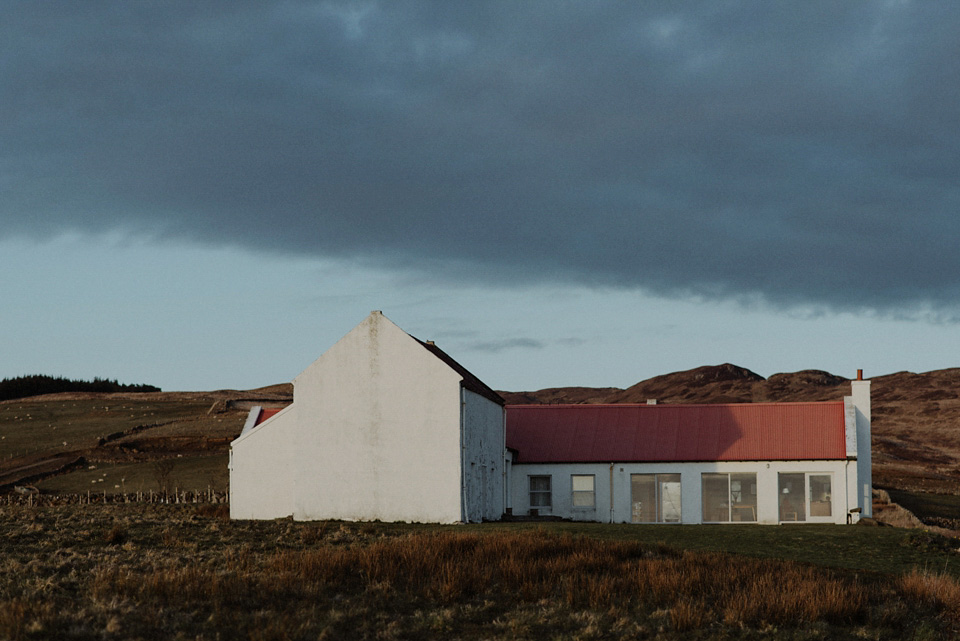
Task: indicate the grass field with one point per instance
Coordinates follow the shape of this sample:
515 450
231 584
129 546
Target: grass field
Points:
31 426
129 444
192 473
130 571
943 509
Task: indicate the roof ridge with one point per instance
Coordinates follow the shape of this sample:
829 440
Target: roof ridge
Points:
469 380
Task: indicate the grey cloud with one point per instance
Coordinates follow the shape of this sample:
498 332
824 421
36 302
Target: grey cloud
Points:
805 154
497 346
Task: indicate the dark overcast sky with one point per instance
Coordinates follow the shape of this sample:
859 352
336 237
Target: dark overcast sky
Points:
804 152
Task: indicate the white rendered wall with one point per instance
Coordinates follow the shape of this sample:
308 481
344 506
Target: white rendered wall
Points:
483 457
261 477
842 473
860 395
378 433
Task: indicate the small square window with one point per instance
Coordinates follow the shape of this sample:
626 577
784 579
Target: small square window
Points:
583 490
540 491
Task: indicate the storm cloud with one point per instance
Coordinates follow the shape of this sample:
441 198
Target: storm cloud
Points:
801 154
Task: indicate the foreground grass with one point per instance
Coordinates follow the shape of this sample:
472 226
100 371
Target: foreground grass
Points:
153 572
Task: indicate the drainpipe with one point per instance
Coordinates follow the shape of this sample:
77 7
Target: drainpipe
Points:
611 492
505 486
463 462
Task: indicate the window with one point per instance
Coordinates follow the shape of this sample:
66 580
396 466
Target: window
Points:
729 497
805 496
583 490
821 503
540 492
655 498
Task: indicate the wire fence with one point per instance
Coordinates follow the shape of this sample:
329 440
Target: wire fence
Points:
176 496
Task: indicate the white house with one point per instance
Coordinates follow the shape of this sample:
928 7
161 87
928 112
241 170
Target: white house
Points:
385 426
747 462
382 426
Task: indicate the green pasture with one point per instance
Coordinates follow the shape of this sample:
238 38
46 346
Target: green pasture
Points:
191 473
28 427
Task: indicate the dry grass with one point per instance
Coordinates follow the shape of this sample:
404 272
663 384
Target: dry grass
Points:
940 590
152 572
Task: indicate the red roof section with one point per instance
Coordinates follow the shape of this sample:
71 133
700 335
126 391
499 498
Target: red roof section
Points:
266 413
676 433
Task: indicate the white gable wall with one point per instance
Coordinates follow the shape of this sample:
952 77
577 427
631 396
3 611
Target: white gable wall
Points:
378 433
261 477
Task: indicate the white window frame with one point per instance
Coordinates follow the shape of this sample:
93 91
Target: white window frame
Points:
658 497
729 502
806 498
592 493
548 492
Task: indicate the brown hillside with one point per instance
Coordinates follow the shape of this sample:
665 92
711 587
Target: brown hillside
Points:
561 395
710 384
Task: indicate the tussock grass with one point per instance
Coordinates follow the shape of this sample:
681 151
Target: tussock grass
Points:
941 590
116 572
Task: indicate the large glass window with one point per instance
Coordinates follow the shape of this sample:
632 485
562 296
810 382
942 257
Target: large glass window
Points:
729 497
655 498
540 492
821 501
584 494
805 496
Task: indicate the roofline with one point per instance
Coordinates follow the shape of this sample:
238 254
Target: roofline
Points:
541 406
468 380
676 462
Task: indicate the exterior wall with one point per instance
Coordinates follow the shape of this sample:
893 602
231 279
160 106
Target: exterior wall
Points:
861 400
617 477
378 434
483 458
261 477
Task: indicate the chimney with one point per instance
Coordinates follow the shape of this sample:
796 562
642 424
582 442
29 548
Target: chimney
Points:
860 398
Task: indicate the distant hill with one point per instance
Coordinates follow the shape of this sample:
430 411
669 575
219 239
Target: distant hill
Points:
709 384
35 385
916 421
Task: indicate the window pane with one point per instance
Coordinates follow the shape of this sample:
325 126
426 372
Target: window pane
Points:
540 491
539 483
715 495
743 497
792 504
582 483
583 495
820 495
669 485
539 499
643 497
583 499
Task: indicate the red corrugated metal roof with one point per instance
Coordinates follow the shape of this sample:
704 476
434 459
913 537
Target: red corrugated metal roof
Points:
674 433
266 413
